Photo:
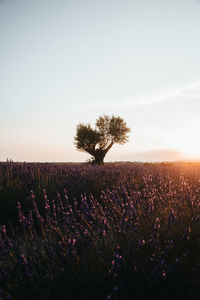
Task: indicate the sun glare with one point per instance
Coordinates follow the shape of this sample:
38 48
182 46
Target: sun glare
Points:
188 143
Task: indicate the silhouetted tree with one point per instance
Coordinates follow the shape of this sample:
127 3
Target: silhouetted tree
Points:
97 142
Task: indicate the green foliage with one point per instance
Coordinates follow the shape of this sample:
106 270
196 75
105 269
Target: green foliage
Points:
86 138
97 142
112 129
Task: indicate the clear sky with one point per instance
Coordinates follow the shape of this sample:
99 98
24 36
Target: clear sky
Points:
64 62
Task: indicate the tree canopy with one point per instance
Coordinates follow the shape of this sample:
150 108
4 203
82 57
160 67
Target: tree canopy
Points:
97 142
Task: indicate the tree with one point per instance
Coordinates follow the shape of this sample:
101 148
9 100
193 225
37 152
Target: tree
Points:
97 142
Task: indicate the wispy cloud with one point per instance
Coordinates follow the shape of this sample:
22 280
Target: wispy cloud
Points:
191 91
188 90
185 91
112 105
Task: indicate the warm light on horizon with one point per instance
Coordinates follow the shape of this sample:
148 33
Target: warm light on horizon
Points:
187 142
65 63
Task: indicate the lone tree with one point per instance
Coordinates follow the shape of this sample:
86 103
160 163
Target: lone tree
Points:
97 142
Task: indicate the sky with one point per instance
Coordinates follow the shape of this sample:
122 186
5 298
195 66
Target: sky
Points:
68 62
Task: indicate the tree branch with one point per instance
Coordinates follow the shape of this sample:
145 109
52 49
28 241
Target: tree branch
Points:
110 146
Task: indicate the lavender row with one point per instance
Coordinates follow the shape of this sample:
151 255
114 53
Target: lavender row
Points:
137 238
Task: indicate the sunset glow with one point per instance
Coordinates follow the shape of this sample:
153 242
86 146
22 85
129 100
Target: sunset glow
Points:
69 62
99 149
187 142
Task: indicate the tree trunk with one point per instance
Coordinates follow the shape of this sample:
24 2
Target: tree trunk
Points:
99 157
99 154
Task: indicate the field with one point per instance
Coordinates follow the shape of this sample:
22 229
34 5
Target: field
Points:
119 231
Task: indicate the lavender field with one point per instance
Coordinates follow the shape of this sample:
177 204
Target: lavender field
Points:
118 231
